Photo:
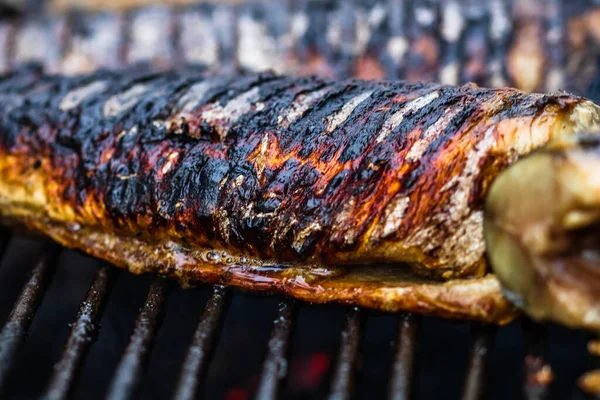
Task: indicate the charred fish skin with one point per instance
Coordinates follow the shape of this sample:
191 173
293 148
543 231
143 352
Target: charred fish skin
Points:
545 253
495 43
287 170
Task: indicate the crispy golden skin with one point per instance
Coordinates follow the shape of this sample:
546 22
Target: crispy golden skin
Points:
542 230
301 186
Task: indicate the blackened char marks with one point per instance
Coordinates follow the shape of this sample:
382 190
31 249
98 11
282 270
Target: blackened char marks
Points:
356 178
279 94
241 84
518 104
467 106
275 167
307 131
374 181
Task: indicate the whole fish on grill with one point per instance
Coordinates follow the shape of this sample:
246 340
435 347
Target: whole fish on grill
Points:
542 222
493 43
363 192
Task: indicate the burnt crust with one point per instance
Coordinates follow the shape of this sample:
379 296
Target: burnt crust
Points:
303 171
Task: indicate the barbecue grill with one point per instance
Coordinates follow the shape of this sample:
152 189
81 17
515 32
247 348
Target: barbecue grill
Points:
244 346
220 343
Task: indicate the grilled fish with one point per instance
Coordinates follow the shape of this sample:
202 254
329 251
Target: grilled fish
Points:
542 222
364 192
493 43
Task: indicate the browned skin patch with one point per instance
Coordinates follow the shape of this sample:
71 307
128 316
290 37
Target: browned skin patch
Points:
280 174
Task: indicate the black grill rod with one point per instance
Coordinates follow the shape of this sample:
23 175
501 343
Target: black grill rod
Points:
406 349
537 372
203 343
131 367
275 366
24 310
82 334
476 377
342 383
4 240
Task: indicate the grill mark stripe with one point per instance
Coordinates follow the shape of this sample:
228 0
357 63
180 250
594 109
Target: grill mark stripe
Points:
357 156
334 120
298 108
396 119
417 120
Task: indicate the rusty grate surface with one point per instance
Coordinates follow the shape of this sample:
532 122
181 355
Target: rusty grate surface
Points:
472 352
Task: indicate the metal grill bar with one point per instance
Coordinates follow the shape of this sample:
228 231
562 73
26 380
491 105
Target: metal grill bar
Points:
203 342
24 309
275 367
342 383
83 332
406 348
4 239
475 383
537 377
130 368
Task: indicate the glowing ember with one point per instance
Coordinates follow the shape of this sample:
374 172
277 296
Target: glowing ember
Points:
311 371
237 394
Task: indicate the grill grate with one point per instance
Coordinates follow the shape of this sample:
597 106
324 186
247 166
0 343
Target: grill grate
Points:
409 43
130 368
203 342
19 320
83 332
275 364
275 367
342 383
408 329
483 337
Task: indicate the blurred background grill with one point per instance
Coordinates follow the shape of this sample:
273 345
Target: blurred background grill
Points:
75 326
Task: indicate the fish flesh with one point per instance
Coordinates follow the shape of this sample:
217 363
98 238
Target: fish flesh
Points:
542 225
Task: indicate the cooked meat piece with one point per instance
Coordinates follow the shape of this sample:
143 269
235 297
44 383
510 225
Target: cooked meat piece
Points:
534 45
542 229
275 183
